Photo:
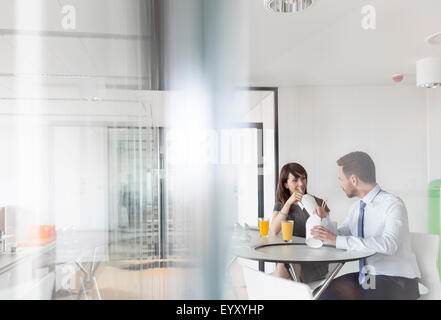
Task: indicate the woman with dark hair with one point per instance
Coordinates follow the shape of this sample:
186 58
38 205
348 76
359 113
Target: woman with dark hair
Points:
290 190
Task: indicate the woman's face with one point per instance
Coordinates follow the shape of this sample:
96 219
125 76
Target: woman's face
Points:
293 183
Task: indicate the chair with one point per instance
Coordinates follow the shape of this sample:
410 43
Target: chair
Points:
426 249
262 286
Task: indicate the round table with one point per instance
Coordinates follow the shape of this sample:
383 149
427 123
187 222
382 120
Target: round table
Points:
274 249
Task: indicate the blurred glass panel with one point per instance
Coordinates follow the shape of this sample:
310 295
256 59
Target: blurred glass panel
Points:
110 189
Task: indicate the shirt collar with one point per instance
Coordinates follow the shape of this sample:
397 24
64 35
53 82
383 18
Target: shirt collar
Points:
371 195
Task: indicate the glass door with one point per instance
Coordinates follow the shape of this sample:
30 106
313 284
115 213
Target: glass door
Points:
242 161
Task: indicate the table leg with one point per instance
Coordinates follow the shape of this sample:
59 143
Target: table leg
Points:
97 289
95 265
89 278
83 279
292 273
82 290
231 277
80 265
328 280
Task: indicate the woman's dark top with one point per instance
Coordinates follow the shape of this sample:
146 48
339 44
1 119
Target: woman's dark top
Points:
314 271
299 217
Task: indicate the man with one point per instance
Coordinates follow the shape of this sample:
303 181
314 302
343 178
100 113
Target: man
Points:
378 222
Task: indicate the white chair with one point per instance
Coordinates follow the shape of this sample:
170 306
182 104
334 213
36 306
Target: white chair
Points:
426 249
262 286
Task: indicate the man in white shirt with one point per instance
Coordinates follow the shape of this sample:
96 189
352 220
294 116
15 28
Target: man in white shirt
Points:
378 222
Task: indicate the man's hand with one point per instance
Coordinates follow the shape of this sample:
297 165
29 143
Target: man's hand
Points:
321 212
324 235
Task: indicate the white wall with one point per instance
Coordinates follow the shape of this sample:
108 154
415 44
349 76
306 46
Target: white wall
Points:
317 125
79 185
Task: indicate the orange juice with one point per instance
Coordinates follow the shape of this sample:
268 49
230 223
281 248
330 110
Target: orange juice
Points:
263 227
287 228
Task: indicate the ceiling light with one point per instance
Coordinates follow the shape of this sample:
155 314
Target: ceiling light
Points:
285 6
429 72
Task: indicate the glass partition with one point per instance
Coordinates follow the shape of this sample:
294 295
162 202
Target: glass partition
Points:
80 182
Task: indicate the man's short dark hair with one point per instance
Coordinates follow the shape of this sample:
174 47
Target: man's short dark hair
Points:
360 164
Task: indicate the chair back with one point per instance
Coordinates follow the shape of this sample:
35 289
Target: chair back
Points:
426 249
262 286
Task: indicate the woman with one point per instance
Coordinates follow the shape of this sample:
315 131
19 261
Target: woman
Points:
290 189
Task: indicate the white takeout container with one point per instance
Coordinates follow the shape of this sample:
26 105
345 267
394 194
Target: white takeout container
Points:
309 204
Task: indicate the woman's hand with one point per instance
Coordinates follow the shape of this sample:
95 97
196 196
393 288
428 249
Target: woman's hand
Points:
321 212
295 197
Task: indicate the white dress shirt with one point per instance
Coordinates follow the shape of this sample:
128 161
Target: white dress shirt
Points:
386 231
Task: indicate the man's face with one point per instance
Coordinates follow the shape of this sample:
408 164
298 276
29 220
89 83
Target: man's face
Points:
346 184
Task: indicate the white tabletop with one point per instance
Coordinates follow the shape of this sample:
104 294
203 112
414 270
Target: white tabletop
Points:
274 249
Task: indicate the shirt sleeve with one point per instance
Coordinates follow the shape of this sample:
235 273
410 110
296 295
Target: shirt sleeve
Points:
344 229
327 222
388 242
277 206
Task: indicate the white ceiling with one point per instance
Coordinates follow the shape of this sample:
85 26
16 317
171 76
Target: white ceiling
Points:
326 44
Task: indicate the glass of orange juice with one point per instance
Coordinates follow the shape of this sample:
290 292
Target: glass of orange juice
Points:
264 227
287 228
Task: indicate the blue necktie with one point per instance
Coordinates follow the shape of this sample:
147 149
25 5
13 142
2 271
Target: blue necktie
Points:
361 262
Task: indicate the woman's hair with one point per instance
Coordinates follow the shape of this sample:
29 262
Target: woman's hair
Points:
282 193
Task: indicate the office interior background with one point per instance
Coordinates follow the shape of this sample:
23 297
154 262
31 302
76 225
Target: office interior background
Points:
137 134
